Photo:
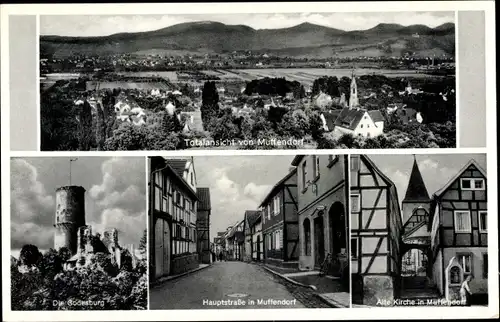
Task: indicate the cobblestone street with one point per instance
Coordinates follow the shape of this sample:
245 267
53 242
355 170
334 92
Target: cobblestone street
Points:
232 285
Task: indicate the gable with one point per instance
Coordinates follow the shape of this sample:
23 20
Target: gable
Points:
471 169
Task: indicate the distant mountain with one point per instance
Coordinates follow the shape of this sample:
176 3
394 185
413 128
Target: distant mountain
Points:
216 37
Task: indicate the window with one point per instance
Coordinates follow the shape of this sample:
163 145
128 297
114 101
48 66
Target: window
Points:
277 242
485 265
354 163
192 179
354 248
355 203
304 175
472 184
483 221
277 205
361 126
269 238
316 166
368 125
269 211
465 260
462 221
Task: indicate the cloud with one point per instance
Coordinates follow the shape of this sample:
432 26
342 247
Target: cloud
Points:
120 199
30 233
32 209
130 226
256 192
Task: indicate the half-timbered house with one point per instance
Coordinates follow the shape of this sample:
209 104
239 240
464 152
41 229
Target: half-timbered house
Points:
459 215
249 225
172 217
257 245
203 225
323 204
376 229
280 223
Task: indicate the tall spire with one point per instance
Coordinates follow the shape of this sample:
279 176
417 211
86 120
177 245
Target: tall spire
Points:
416 190
353 98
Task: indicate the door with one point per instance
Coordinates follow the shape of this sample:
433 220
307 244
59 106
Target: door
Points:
166 248
159 248
319 241
258 247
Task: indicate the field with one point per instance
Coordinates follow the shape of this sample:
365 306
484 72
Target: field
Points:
128 85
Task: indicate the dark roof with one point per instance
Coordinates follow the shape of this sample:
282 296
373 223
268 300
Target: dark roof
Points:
178 165
376 116
252 216
204 197
416 190
160 163
331 117
349 118
278 185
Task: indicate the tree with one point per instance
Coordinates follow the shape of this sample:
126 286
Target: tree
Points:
30 255
143 243
85 127
210 102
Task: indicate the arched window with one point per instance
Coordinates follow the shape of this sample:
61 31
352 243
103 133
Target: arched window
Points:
307 236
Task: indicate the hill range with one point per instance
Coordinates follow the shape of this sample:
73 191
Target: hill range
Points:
305 40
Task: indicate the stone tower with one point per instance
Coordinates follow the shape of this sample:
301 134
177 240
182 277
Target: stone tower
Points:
416 196
70 214
353 99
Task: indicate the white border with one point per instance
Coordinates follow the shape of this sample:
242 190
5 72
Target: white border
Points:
273 314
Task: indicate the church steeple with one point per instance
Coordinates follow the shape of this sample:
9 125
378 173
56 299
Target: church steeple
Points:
416 190
353 98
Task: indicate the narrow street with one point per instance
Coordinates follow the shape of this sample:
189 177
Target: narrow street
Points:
224 285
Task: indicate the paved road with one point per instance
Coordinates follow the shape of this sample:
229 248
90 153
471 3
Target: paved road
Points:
223 285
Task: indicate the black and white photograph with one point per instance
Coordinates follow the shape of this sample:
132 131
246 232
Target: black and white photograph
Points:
78 233
247 81
248 232
419 230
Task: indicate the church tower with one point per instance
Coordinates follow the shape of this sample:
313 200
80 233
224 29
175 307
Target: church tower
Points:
353 99
417 201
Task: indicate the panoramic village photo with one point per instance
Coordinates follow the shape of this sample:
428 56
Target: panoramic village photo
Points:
78 234
419 230
247 81
237 232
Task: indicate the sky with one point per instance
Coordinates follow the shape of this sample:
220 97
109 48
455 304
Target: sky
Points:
237 183
115 197
436 169
103 25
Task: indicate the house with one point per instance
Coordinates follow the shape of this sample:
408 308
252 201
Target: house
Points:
323 203
170 108
257 245
376 227
322 100
239 241
251 217
193 121
328 120
360 122
203 213
408 116
459 230
172 217
280 223
393 107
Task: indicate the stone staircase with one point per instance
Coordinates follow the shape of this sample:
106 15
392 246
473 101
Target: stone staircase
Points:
418 287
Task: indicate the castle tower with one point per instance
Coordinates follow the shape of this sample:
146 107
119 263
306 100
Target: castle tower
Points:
70 214
416 197
353 99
